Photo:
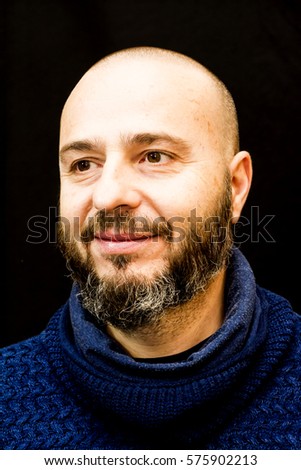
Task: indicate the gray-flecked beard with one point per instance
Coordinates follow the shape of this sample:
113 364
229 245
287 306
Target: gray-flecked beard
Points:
130 302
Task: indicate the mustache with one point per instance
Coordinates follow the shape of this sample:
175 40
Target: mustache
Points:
125 223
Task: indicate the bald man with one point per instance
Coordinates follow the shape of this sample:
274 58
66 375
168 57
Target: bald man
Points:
166 341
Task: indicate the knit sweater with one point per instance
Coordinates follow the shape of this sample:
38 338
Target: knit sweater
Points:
71 387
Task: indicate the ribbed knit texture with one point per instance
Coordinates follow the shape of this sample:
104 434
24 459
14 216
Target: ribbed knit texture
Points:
71 387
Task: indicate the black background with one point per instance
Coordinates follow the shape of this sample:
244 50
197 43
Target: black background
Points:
253 46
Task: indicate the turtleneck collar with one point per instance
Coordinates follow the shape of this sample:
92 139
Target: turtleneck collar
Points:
154 395
234 337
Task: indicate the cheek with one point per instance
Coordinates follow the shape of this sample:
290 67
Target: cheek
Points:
179 201
74 205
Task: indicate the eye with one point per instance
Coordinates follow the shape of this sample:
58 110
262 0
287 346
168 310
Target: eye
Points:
156 157
82 165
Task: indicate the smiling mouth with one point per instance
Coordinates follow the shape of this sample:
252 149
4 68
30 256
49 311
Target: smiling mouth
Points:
123 243
123 237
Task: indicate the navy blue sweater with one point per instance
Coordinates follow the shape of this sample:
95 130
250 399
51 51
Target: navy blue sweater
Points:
71 387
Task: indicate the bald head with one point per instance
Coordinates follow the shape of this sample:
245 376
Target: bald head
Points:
226 106
156 68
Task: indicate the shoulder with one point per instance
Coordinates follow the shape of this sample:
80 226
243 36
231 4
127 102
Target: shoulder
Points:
284 330
22 361
277 303
16 356
37 390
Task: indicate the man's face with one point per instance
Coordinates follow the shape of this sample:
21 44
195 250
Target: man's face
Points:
140 166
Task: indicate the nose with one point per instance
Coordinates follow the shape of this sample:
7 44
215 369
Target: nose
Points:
116 188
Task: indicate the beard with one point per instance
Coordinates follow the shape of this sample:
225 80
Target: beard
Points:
132 302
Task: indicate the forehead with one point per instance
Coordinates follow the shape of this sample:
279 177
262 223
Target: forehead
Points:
139 96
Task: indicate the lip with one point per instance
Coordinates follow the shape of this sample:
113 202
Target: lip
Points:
122 237
112 243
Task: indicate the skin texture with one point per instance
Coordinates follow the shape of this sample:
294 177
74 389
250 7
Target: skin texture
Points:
152 133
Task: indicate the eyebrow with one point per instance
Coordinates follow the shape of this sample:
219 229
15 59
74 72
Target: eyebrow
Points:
150 138
81 146
144 138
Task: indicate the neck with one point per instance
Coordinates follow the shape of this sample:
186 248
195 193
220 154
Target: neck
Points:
180 328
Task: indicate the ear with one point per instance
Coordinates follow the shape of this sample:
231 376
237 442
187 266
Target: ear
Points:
241 178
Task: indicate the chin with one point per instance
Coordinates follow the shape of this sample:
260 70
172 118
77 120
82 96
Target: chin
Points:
127 268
